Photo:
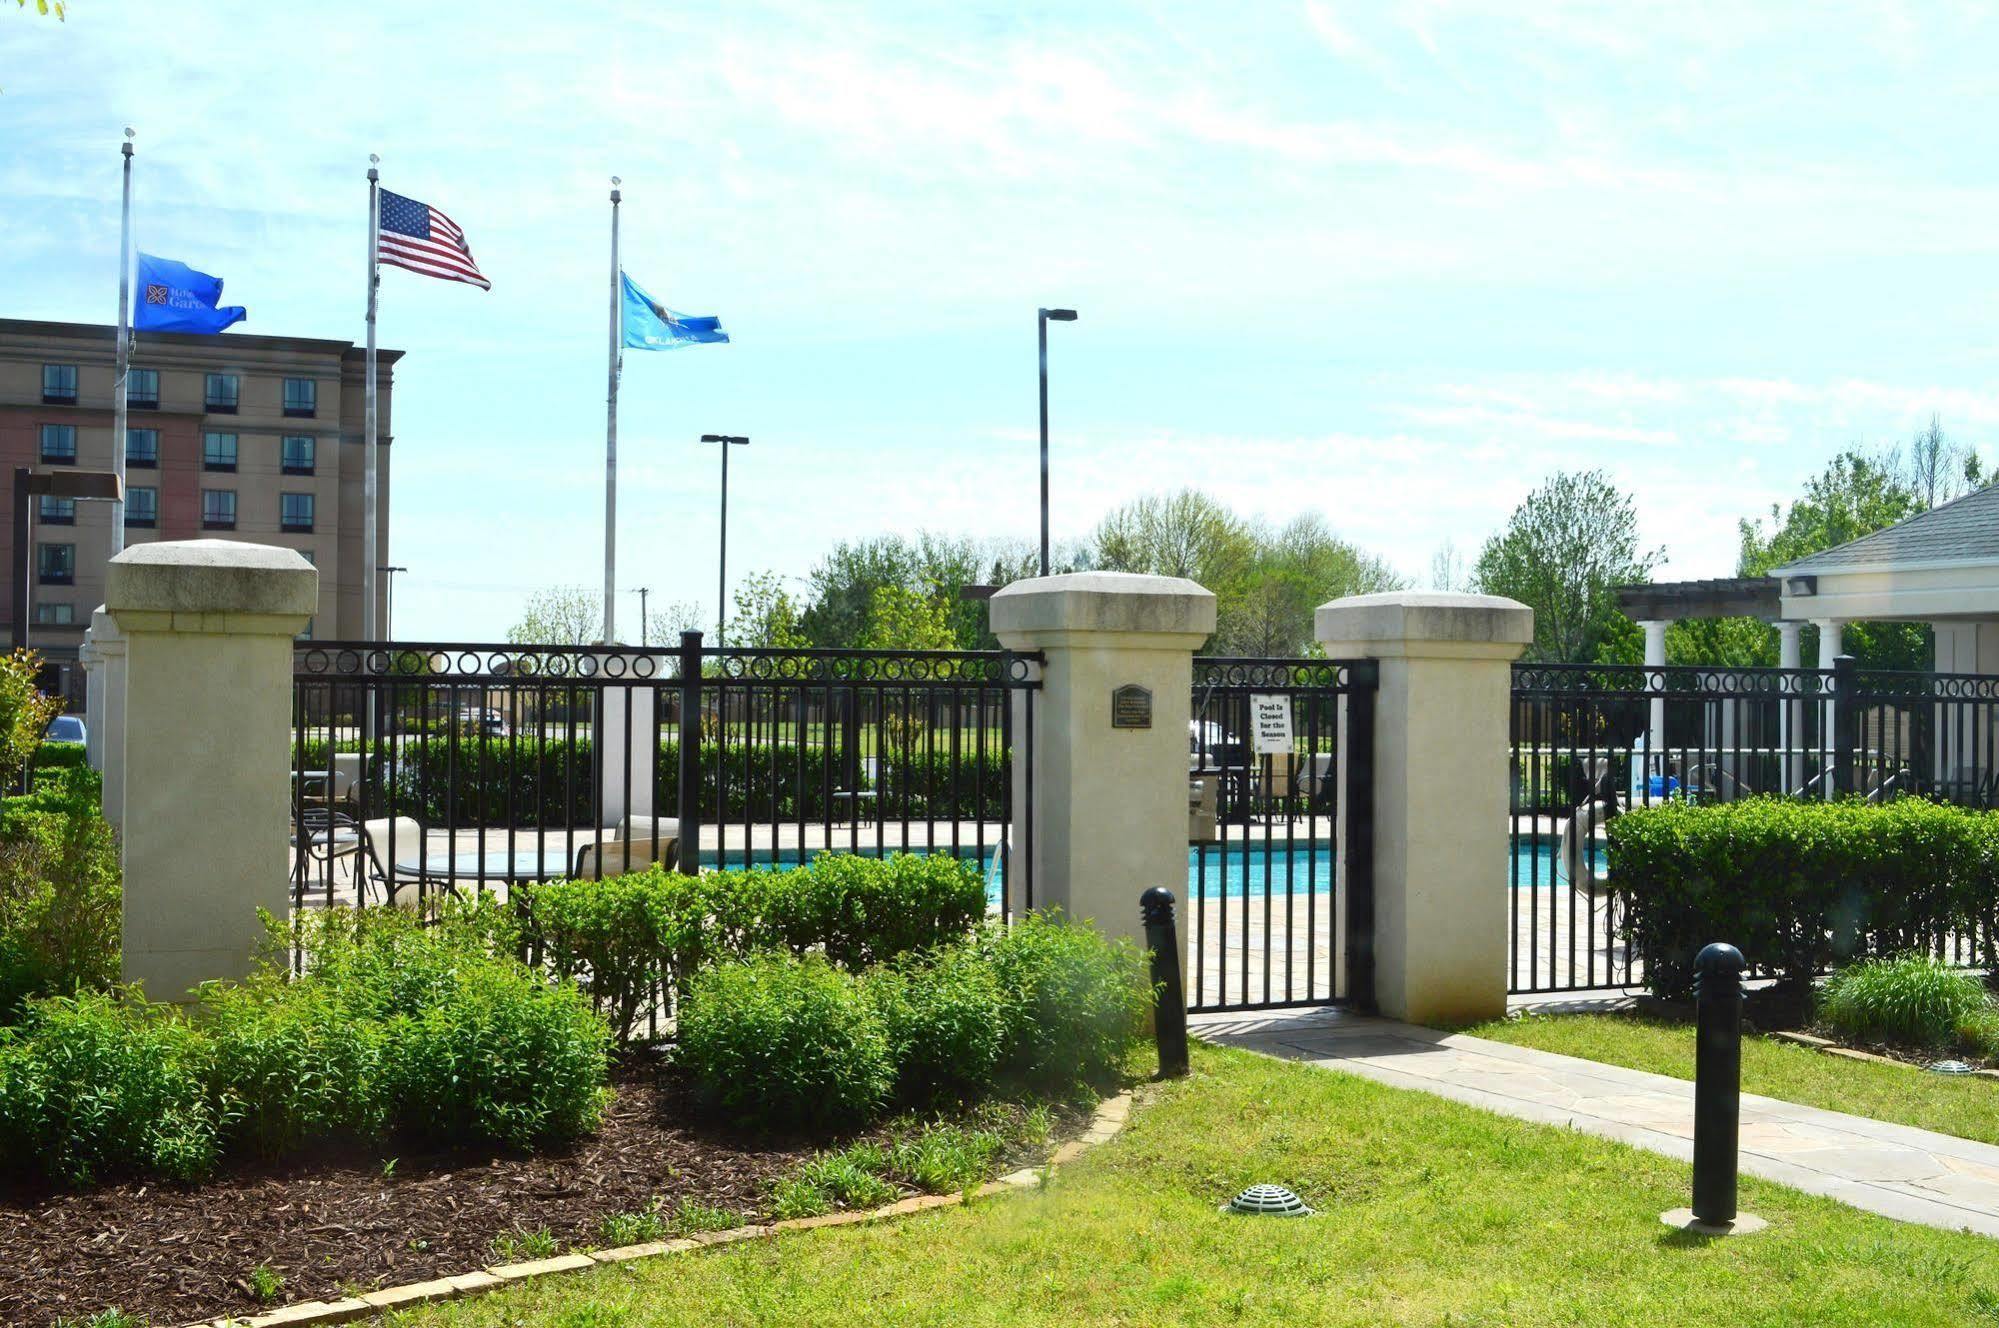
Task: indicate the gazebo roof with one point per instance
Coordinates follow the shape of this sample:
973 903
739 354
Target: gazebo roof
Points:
1965 530
1722 597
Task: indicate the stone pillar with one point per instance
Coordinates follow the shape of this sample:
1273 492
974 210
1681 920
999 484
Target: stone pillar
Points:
1655 725
1109 739
1440 801
208 628
1832 637
1791 713
107 721
93 701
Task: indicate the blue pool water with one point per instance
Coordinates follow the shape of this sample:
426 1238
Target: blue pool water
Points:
1232 871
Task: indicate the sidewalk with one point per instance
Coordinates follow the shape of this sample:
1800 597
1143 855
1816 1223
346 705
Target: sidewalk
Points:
1895 1170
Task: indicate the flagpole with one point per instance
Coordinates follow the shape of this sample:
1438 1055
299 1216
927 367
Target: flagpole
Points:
611 443
119 384
370 557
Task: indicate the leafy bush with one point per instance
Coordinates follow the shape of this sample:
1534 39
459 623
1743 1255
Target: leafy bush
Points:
786 1042
946 1019
1911 1001
24 713
291 1064
1075 1003
627 938
91 1084
1799 886
60 902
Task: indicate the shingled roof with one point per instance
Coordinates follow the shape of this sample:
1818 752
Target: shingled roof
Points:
1964 530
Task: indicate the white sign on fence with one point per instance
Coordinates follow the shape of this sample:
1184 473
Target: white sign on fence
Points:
1270 725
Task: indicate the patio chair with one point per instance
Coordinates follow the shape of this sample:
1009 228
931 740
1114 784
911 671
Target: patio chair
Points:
321 840
380 837
629 846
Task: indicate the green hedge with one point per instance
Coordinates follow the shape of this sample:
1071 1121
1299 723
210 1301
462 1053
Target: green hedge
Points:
469 781
1800 887
1042 1006
396 1028
60 901
635 939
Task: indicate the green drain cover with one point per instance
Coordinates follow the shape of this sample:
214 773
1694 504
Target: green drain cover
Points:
1267 1201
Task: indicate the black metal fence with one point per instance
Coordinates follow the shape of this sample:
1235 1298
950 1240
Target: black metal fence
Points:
1591 741
1280 888
426 767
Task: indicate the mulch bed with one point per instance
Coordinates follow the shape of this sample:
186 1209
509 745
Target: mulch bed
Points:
182 1254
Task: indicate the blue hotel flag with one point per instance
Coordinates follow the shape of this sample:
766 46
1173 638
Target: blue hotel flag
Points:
650 325
173 297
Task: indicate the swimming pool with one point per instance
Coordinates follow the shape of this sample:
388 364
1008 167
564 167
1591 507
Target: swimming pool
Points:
1222 871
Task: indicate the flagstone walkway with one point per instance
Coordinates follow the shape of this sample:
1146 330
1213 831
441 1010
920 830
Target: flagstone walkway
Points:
1895 1170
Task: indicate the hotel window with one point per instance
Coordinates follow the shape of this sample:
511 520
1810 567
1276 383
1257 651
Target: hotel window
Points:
218 509
218 451
300 451
57 511
58 444
295 512
56 615
301 397
221 395
58 385
55 564
142 389
142 448
142 507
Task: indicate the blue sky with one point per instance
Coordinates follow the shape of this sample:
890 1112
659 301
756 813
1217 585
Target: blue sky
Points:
1390 263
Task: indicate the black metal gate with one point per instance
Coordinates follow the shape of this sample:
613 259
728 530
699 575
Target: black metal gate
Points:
1280 863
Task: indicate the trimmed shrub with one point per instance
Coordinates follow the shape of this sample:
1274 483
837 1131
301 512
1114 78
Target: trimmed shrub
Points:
92 1085
291 1064
946 1020
623 938
782 1042
1075 1003
1798 886
1910 1001
502 1055
60 902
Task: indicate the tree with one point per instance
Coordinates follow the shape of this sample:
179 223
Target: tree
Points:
766 617
1292 572
842 587
1562 553
559 616
903 619
1448 570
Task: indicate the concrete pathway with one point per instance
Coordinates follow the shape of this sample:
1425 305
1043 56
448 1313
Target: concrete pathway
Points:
1900 1172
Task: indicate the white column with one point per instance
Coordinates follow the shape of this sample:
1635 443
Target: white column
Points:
1109 799
93 702
109 643
1790 713
208 628
1832 633
1440 802
1655 725
628 734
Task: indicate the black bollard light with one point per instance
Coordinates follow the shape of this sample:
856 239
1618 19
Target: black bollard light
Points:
1717 1081
1169 1020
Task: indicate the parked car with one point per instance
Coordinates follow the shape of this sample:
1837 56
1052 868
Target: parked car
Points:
65 728
487 721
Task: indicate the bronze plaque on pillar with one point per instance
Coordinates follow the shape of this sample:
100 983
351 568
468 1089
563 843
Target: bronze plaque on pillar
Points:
1131 707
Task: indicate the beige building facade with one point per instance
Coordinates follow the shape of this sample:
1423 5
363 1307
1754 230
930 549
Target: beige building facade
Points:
227 437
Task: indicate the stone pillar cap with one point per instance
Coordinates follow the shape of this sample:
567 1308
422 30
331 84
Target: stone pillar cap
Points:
1104 602
211 576
1425 615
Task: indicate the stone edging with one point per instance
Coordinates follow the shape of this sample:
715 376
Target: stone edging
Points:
1831 1048
1110 1118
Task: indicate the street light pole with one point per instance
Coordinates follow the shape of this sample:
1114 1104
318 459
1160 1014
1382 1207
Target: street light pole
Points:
1042 317
390 633
722 560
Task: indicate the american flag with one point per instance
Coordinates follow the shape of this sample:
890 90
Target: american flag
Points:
423 240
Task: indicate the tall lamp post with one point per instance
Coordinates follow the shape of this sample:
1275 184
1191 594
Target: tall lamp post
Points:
727 440
1042 318
390 631
81 485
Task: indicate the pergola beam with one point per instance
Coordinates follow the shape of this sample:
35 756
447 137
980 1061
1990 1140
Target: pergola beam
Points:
1722 597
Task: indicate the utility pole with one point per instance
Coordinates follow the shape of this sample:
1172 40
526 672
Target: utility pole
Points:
645 637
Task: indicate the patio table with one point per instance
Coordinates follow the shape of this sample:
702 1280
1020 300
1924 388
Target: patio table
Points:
527 862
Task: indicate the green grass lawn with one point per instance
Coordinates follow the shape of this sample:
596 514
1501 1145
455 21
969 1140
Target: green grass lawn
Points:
1965 1107
1432 1213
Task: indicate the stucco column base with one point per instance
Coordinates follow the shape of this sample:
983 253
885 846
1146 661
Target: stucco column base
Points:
1440 800
1109 803
208 627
